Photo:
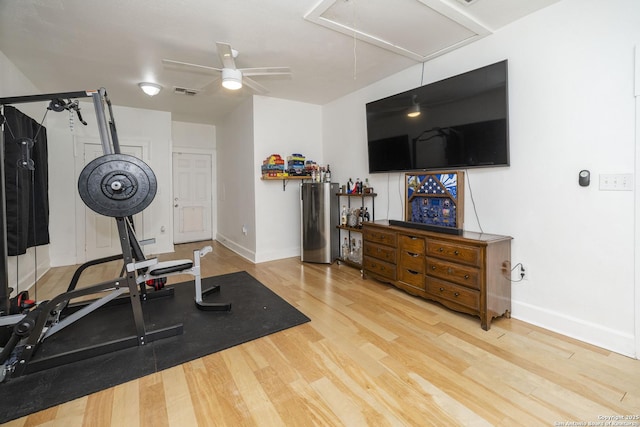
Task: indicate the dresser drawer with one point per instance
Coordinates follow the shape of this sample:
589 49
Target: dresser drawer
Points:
380 268
411 261
411 277
377 236
411 244
454 252
458 273
384 253
451 292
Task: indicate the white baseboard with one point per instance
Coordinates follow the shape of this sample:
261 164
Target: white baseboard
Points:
278 253
598 335
235 247
257 257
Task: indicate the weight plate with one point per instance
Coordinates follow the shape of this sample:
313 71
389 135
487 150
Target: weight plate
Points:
117 185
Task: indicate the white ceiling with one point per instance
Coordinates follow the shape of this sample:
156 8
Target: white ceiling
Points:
333 47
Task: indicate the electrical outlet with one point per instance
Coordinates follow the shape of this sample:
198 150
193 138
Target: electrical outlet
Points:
524 273
505 268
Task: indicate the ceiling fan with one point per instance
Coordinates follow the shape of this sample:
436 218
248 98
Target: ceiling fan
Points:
232 77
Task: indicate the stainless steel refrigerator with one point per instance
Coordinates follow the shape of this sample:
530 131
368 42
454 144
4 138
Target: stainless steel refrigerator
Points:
319 212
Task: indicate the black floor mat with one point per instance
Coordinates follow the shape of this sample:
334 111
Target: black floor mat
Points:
256 312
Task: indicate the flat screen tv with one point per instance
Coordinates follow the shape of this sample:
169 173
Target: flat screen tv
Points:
463 123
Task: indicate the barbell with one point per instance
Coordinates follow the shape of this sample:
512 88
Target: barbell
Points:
117 185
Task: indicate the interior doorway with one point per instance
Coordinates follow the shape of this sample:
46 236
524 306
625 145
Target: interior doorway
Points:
637 204
192 197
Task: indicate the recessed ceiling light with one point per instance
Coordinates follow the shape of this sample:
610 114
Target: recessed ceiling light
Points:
150 89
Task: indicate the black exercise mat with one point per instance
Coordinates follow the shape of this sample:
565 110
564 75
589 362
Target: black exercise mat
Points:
256 312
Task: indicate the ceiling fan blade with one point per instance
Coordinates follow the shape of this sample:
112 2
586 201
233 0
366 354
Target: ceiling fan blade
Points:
257 87
212 87
188 65
266 71
226 55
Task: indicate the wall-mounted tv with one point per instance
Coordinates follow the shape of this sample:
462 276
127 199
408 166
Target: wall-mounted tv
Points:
463 122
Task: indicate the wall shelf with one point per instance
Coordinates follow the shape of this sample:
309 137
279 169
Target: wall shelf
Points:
285 179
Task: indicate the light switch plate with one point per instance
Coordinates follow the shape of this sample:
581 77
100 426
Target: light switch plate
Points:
616 182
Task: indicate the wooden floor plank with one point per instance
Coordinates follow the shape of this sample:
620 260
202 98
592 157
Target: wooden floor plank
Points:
371 355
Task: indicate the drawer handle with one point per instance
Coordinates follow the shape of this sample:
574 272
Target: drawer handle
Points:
466 276
413 272
413 237
441 289
440 249
449 270
456 294
433 267
411 254
456 252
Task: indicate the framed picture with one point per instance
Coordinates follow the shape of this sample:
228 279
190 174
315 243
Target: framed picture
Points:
435 198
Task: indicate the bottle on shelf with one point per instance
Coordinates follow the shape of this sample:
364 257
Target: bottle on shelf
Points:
358 186
344 253
366 185
327 174
343 216
352 250
360 218
366 216
352 218
349 186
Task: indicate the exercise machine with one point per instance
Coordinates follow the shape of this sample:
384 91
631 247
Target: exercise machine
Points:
114 185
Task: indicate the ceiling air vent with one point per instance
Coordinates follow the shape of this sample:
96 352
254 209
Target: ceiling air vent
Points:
185 91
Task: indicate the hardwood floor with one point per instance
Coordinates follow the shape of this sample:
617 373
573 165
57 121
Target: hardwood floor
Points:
371 355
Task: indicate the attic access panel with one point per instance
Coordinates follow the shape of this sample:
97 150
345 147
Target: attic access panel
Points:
417 29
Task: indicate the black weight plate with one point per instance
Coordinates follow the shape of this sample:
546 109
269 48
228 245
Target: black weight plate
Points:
117 185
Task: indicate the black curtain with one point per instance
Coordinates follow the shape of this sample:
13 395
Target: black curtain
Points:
26 182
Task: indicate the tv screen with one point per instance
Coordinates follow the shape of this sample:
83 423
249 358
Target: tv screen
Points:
462 123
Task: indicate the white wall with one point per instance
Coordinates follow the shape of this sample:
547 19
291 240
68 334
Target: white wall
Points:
199 138
236 184
571 108
282 127
258 128
193 135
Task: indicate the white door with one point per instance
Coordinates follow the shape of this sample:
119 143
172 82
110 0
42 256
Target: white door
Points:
192 205
101 237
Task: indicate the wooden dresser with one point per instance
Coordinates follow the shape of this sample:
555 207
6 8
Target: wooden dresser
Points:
467 273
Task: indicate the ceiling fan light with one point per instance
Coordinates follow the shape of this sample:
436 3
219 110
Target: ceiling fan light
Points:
150 89
414 111
231 79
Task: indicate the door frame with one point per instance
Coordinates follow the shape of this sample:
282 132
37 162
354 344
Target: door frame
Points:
636 222
214 192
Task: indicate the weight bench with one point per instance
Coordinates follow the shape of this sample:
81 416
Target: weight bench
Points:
153 270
